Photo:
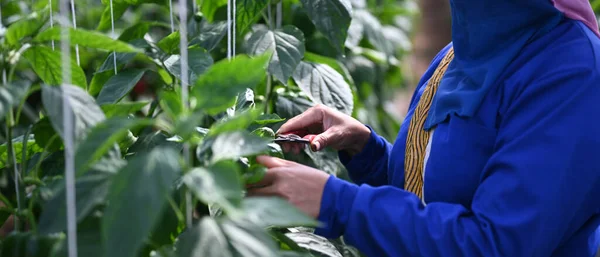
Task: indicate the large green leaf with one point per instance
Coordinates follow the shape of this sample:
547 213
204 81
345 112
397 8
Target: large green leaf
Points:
209 8
45 136
11 95
17 143
87 38
122 109
231 146
89 239
237 122
122 58
248 12
105 20
275 212
330 17
48 65
119 85
28 244
225 238
137 197
287 46
211 35
216 89
83 109
102 137
23 28
325 85
170 43
374 31
291 106
199 60
219 184
91 190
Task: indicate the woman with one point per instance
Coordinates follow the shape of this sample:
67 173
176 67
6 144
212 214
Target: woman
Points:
498 155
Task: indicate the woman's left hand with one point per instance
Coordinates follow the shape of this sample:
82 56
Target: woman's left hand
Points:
300 185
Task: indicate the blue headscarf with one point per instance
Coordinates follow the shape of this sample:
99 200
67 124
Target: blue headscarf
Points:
486 35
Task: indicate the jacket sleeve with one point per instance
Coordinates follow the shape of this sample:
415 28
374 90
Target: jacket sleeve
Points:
542 179
370 165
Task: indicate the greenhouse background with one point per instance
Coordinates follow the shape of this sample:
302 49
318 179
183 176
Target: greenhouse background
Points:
138 152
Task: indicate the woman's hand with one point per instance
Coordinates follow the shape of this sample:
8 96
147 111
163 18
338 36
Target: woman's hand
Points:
325 127
300 185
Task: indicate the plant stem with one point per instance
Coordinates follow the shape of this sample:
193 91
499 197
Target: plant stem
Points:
6 201
269 93
11 160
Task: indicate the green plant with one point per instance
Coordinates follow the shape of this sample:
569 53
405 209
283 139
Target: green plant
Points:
137 162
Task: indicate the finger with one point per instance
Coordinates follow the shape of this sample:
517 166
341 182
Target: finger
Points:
320 141
309 117
271 162
262 191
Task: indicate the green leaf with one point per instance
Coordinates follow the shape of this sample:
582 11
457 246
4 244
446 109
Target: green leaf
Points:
267 119
102 137
17 143
99 80
231 146
122 109
216 89
27 244
144 184
248 12
136 31
87 38
333 63
254 174
317 245
287 46
23 28
149 141
219 184
325 86
291 106
237 122
47 64
119 85
245 101
105 19
374 31
211 35
11 95
170 43
170 102
199 60
45 136
225 238
275 212
209 8
91 190
89 239
330 17
83 109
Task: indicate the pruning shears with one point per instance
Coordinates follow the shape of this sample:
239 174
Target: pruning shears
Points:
291 138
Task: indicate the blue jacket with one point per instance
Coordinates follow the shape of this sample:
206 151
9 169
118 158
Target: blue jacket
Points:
520 178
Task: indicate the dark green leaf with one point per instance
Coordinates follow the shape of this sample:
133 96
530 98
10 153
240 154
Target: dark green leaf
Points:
122 58
103 138
105 19
267 119
209 8
231 146
83 109
170 102
48 65
143 184
333 63
289 107
17 144
225 238
219 184
238 122
287 46
198 62
87 38
11 95
119 85
275 212
122 109
325 85
45 136
330 17
374 31
23 28
170 43
99 80
149 141
91 190
27 244
216 89
211 35
89 239
248 12
137 31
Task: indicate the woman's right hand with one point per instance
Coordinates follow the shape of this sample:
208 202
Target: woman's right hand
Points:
326 127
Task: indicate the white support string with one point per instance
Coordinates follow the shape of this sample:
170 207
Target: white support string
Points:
68 129
183 48
74 17
112 30
233 27
229 30
171 15
51 19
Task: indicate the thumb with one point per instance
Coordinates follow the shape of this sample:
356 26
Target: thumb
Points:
320 141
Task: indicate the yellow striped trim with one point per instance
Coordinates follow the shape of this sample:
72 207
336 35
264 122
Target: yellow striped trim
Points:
418 137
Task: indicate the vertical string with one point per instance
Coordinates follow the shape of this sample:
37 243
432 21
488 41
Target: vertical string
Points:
171 15
279 15
183 46
51 20
68 129
74 17
229 30
3 70
112 30
233 27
